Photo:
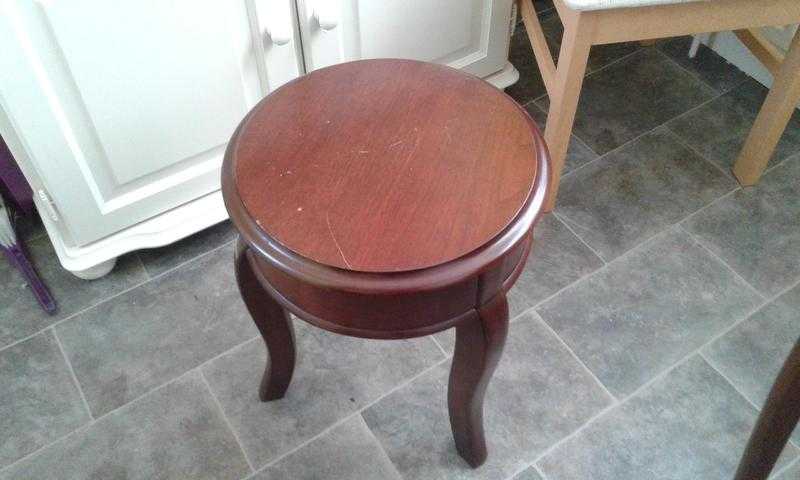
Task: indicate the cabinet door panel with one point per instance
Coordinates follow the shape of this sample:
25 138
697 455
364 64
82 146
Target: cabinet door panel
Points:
125 107
467 34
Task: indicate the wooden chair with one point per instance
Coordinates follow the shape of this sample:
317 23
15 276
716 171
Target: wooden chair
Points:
597 22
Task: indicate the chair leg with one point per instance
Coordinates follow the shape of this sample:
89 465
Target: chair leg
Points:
772 119
573 56
778 419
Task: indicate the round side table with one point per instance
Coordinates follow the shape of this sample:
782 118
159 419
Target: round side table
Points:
387 199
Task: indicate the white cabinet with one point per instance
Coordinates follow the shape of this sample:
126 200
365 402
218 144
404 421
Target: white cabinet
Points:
119 111
465 34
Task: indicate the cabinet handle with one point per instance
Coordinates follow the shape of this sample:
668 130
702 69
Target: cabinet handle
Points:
324 12
278 35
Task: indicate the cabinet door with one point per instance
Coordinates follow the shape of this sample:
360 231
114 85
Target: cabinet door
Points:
467 34
124 107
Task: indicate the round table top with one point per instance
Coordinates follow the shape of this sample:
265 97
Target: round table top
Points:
384 165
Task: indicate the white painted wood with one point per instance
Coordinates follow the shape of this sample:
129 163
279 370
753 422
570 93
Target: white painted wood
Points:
97 271
158 231
125 107
728 46
471 35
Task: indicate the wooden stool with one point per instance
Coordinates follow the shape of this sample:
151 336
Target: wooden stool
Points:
387 199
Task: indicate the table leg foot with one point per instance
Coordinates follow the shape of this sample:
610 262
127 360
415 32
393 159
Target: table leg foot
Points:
479 344
275 326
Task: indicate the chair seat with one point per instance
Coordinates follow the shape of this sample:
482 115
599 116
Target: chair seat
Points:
609 4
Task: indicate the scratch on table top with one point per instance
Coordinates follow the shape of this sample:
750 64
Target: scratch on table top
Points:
396 143
333 237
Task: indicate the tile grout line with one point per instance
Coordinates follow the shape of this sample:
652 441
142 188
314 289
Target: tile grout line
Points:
94 421
547 327
691 148
580 239
226 420
601 413
540 472
585 277
180 376
78 430
780 471
72 373
113 296
441 348
710 362
668 227
663 373
352 414
663 124
790 158
135 399
730 382
706 207
380 446
692 74
713 254
141 265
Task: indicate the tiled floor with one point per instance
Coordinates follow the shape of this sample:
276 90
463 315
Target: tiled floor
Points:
654 313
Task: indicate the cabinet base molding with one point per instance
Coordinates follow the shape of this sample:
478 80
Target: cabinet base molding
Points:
98 258
504 78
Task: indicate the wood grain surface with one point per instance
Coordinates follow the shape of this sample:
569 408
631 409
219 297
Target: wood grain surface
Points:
384 165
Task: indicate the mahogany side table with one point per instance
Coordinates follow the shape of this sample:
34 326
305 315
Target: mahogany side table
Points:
387 199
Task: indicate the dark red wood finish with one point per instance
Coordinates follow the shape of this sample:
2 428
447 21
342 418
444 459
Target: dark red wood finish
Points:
775 425
418 241
349 165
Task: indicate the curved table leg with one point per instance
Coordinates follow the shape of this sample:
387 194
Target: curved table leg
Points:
778 419
275 326
479 344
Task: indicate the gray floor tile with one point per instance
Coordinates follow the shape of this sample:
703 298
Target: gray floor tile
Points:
635 192
792 473
143 338
578 154
334 376
600 55
348 452
648 310
751 355
158 260
21 316
719 129
689 425
39 402
713 69
174 433
633 96
558 258
528 474
520 54
29 227
538 395
543 5
757 230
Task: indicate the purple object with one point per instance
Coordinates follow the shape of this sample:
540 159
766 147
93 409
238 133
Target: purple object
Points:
17 257
12 184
